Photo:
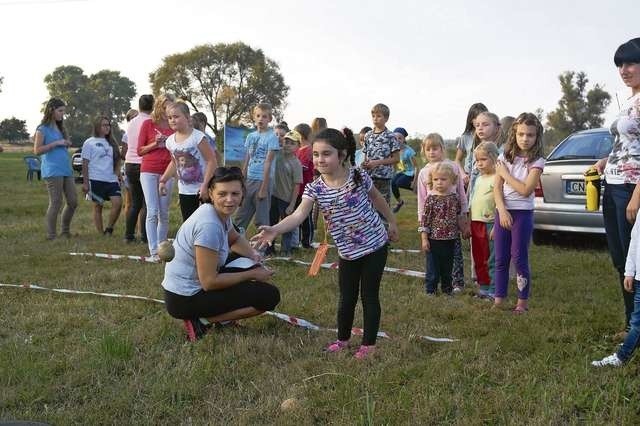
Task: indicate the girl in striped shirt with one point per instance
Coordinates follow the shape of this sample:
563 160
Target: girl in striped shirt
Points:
348 202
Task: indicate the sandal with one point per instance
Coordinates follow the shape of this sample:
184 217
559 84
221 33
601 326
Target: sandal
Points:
398 206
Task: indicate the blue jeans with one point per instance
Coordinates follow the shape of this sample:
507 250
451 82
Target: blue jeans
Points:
631 341
618 229
400 180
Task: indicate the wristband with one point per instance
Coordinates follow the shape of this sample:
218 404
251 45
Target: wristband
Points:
422 229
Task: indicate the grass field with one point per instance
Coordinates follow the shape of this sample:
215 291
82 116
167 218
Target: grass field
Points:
81 359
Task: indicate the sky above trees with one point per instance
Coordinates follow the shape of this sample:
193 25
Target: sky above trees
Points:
428 62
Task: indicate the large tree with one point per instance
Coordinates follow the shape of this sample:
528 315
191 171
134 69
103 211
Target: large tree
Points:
224 79
577 109
12 129
105 92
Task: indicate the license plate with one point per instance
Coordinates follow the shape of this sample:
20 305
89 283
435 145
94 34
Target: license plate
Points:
574 187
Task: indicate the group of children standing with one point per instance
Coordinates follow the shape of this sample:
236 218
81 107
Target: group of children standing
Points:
355 204
498 212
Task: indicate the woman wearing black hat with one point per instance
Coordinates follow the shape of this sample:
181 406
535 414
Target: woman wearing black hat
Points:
406 176
621 199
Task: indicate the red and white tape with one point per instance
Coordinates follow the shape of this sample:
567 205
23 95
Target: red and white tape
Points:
316 245
334 265
147 259
298 322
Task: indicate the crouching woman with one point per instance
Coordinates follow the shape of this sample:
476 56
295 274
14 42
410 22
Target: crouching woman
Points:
199 289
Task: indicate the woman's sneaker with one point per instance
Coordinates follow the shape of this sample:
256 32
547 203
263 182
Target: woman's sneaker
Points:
336 346
364 352
195 329
611 360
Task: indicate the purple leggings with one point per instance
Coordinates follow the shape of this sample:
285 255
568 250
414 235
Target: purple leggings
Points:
513 244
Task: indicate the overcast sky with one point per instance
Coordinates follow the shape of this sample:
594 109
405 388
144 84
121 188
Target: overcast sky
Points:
428 61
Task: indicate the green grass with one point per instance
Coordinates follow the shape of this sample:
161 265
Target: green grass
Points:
81 359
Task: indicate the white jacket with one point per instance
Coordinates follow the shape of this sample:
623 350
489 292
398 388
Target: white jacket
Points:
632 266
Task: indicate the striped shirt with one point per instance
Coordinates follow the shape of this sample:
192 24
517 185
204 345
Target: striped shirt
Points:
354 225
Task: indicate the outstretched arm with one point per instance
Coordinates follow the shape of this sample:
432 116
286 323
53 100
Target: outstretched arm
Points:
268 233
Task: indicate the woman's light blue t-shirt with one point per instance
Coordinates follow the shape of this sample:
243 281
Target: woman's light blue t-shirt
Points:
55 163
205 229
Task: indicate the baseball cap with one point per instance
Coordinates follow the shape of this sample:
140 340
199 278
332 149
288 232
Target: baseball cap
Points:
401 130
293 135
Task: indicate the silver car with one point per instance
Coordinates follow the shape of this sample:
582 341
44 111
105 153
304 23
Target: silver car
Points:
560 197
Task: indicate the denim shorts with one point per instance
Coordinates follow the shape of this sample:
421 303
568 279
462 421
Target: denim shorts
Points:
101 191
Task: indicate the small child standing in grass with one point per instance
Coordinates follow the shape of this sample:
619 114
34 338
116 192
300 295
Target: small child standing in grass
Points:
440 225
433 150
517 173
381 151
287 183
483 207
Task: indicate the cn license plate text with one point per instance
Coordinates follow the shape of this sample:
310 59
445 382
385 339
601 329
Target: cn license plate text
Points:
574 187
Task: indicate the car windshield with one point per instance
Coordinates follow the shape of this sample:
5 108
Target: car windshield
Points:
587 145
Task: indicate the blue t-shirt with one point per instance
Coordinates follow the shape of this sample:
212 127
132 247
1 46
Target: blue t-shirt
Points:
203 228
55 163
405 166
359 157
258 146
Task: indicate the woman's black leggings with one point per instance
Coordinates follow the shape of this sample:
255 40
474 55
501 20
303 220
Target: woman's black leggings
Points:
137 203
207 304
362 274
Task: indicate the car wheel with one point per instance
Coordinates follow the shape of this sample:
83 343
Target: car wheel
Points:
539 237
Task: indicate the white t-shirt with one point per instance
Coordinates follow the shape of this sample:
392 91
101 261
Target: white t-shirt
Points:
623 165
100 156
519 169
133 131
190 164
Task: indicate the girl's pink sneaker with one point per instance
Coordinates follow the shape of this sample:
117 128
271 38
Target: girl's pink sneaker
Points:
364 352
336 346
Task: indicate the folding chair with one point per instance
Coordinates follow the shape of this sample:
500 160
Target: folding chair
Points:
33 166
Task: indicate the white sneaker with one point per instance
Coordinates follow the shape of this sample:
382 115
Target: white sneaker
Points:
611 360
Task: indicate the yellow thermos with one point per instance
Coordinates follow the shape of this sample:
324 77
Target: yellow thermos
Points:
592 189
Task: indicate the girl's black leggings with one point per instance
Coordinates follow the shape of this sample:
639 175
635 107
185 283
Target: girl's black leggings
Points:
362 274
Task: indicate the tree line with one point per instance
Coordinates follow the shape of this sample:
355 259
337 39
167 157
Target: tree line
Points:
226 80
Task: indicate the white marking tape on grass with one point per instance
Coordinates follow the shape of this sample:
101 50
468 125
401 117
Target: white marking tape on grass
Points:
148 259
63 290
316 245
298 322
334 265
